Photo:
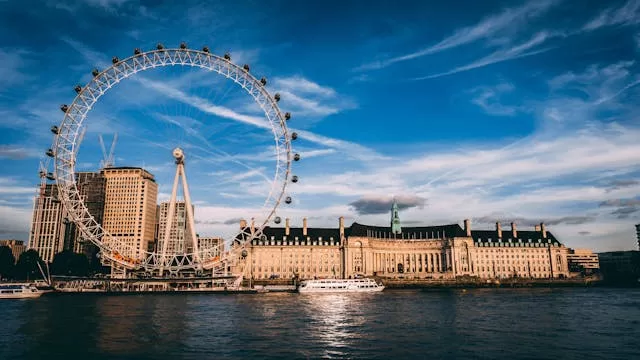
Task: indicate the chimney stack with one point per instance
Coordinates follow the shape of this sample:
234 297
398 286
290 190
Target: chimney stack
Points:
514 230
544 230
467 227
286 226
499 229
341 222
304 226
538 228
243 224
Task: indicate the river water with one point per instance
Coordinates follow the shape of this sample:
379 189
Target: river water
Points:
590 323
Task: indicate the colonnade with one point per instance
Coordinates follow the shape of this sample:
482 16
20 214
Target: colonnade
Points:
430 262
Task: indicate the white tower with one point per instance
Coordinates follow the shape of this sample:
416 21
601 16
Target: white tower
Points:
179 155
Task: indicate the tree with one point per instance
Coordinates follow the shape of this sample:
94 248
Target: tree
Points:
7 262
68 263
27 266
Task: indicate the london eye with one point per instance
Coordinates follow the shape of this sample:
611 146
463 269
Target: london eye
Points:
69 133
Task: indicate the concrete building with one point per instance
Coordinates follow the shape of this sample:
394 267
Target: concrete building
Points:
583 261
211 242
130 208
638 235
17 247
180 234
47 232
436 252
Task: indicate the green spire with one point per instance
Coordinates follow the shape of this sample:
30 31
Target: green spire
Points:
395 219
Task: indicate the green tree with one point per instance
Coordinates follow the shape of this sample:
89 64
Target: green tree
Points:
27 266
7 262
68 263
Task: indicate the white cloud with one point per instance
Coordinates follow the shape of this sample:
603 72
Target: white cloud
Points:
627 14
12 70
489 27
518 51
306 98
488 98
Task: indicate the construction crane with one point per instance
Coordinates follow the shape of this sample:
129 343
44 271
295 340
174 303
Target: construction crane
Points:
107 158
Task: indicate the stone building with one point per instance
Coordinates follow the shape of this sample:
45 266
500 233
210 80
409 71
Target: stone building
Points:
431 252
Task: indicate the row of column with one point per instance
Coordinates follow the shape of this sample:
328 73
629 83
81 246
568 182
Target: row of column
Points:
412 263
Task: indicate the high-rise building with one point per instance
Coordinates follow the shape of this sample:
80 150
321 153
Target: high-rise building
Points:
91 186
638 235
47 226
180 234
130 208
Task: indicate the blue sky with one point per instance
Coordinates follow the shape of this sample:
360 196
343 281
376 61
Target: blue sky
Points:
510 110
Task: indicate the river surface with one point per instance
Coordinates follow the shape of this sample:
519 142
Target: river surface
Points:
584 323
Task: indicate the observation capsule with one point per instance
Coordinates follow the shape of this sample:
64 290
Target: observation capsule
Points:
246 67
159 46
64 108
287 115
294 179
77 89
50 153
183 45
50 176
42 174
95 72
205 49
277 220
137 51
55 130
244 253
288 200
277 97
294 135
296 157
227 56
115 60
263 81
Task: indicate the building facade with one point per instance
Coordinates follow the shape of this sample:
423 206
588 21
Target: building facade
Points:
130 209
47 233
17 247
620 266
638 235
180 234
432 252
91 186
583 261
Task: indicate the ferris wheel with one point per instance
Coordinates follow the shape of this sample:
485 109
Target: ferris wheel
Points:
68 135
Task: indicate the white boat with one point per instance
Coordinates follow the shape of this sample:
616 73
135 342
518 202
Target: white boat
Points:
339 285
19 291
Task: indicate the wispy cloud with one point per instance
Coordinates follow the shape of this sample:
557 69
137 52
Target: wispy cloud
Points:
485 29
488 98
306 98
13 69
627 14
514 52
14 152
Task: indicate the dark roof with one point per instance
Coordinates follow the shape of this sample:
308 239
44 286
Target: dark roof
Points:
523 235
418 232
314 233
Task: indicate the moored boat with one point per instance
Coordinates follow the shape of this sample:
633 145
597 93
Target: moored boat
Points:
339 285
19 291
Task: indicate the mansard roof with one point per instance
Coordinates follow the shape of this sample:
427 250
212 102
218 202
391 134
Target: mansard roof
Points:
313 233
418 232
524 236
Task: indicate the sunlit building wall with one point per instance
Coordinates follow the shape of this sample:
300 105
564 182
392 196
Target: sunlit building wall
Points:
130 208
46 235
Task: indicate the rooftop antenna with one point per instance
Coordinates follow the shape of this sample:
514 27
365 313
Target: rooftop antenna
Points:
107 159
